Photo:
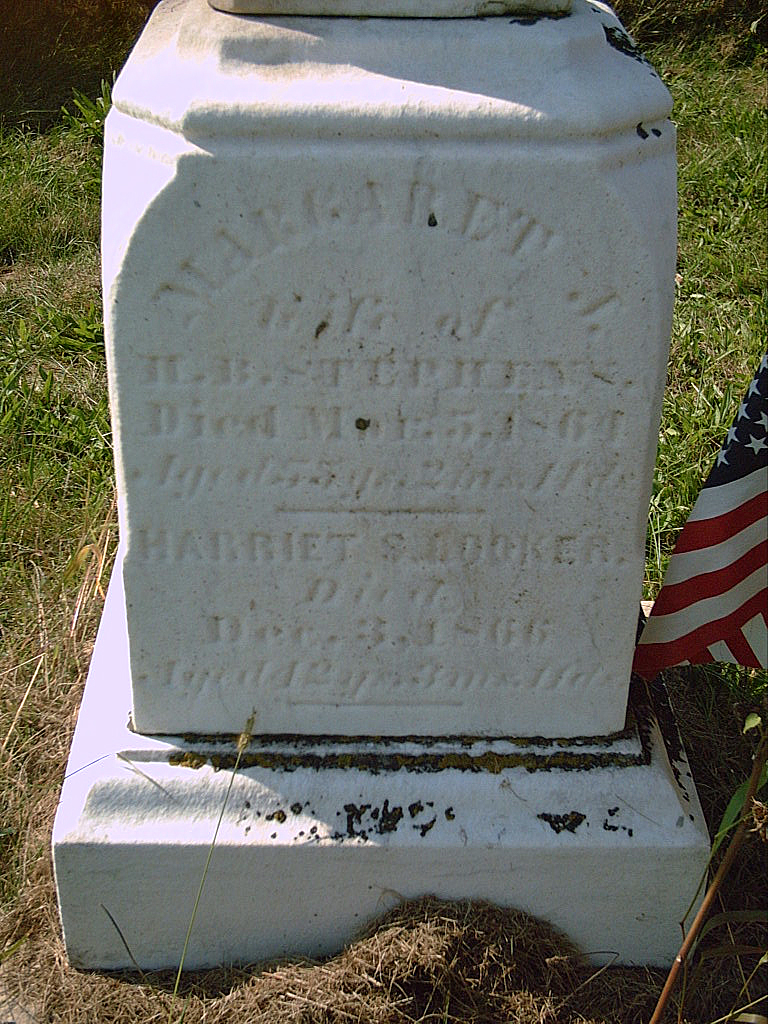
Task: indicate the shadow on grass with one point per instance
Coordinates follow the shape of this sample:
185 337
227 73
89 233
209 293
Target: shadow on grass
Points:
50 47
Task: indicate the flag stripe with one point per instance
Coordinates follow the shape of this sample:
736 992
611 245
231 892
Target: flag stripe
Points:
676 596
740 649
650 658
676 624
716 501
714 602
686 564
756 634
704 532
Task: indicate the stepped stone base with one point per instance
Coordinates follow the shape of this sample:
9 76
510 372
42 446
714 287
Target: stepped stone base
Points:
603 837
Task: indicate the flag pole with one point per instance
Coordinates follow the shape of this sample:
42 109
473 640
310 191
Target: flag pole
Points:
722 871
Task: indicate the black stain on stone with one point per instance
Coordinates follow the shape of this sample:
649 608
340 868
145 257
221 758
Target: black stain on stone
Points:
665 719
641 131
619 40
355 817
265 752
656 132
563 822
432 220
296 808
449 814
390 818
415 808
320 328
608 827
361 423
423 829
531 19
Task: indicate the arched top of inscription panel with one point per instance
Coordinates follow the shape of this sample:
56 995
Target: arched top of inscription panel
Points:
395 8
502 79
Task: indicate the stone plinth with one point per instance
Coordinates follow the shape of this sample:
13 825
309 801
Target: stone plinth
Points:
386 333
602 837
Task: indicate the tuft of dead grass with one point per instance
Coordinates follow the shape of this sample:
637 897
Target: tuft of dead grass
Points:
430 960
653 21
72 283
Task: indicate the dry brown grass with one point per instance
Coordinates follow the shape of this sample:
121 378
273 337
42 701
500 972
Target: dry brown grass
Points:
426 961
686 20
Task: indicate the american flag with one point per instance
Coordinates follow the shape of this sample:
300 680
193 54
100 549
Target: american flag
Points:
714 602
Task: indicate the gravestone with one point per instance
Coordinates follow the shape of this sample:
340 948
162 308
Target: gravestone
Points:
387 306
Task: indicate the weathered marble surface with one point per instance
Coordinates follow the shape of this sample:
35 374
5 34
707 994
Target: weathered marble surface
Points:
386 335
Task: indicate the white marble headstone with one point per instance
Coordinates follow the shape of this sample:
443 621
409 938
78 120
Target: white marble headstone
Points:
387 306
387 313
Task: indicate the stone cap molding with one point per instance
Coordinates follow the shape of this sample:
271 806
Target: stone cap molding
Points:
573 77
394 8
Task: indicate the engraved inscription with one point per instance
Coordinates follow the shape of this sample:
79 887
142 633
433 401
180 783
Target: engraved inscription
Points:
371 633
520 551
318 481
252 373
316 681
447 372
422 401
378 440
278 224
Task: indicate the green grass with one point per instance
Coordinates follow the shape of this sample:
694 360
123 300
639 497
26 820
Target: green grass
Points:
55 452
720 324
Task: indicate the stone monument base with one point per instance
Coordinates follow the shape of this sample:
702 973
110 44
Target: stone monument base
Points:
602 836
